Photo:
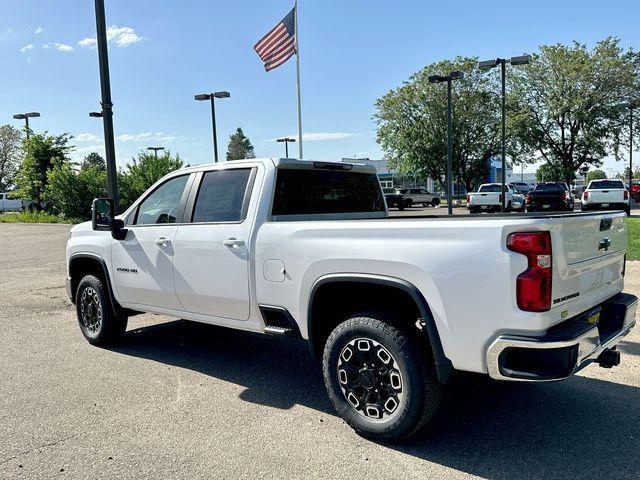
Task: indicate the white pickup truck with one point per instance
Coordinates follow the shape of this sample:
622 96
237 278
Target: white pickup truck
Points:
392 305
489 198
606 195
8 204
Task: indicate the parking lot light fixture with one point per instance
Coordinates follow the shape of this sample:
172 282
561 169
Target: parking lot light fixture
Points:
456 75
155 150
487 65
26 117
286 141
211 97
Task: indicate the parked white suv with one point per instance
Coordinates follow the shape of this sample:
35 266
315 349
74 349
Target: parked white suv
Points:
419 195
606 195
391 305
489 198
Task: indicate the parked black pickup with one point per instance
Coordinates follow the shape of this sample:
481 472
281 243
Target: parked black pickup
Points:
549 196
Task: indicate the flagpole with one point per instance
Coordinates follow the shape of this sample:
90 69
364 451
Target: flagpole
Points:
298 81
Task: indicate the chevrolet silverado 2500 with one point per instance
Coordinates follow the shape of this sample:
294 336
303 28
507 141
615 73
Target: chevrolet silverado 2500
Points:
392 306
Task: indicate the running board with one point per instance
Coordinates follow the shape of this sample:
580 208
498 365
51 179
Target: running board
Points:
272 330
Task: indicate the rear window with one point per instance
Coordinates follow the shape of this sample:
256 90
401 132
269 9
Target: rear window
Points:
605 184
549 187
303 192
490 188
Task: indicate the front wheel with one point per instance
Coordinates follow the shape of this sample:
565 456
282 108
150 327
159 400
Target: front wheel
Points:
379 382
98 322
435 202
408 203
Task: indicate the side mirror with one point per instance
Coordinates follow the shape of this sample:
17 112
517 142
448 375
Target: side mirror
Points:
102 218
102 214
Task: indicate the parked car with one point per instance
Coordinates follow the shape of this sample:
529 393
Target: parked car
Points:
306 249
552 196
635 191
522 187
394 198
8 204
419 195
488 198
606 195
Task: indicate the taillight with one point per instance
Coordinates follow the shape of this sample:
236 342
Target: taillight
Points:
533 286
565 196
468 196
626 195
528 198
500 198
585 196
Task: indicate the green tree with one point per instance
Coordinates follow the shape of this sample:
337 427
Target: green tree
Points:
144 171
412 123
94 160
239 146
42 152
550 172
10 155
71 193
595 175
569 104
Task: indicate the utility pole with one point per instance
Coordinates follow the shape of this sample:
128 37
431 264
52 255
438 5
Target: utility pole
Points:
107 105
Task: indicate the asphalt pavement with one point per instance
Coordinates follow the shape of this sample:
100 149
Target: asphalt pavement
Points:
181 400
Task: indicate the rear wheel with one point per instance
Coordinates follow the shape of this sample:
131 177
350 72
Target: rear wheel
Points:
379 382
98 323
435 202
408 202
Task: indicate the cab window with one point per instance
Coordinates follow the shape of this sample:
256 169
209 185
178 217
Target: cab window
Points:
161 206
222 196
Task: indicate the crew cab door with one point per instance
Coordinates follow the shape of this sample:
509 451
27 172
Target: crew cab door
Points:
142 263
212 247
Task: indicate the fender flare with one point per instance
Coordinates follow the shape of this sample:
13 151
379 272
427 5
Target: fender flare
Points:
115 306
444 367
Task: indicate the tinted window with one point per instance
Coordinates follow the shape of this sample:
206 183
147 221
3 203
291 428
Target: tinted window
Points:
605 184
221 196
490 188
550 187
300 192
162 205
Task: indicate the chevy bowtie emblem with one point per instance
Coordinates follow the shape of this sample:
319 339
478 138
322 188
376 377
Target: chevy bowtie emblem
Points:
605 243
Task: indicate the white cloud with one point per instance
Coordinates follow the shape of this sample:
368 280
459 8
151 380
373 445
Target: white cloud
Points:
87 137
63 47
87 42
28 59
321 136
26 48
121 36
146 137
38 30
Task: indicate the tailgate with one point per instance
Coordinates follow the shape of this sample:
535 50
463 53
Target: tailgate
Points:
588 255
606 196
489 198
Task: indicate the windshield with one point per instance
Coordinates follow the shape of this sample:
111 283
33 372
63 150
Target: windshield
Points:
490 188
549 187
605 184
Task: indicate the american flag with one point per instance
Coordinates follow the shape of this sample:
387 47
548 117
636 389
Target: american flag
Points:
277 46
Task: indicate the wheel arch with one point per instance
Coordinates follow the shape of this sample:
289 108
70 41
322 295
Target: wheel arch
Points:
86 263
408 296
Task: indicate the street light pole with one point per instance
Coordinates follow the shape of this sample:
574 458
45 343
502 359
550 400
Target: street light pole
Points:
212 97
107 105
449 176
25 117
155 150
631 148
485 65
286 141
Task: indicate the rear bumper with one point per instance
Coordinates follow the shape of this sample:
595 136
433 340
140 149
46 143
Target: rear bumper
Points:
606 206
565 348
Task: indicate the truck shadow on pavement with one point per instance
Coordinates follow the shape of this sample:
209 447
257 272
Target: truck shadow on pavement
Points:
579 428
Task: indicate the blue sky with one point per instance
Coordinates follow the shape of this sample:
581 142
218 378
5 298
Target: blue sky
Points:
163 52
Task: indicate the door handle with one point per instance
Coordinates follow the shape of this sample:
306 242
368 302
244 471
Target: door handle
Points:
162 241
232 242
